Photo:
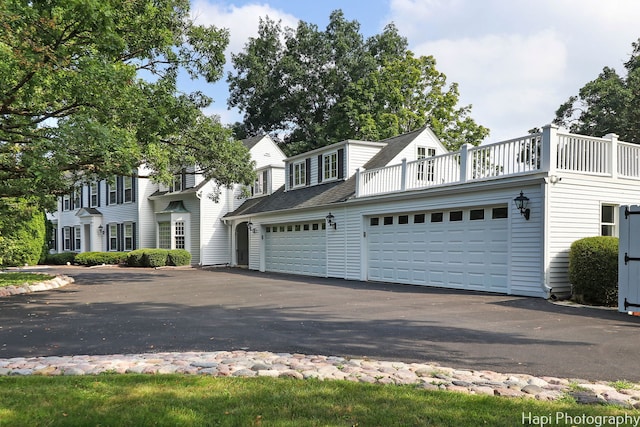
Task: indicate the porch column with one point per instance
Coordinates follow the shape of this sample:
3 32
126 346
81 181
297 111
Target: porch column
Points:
549 149
613 155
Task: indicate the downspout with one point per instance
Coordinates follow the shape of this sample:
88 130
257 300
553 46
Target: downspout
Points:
199 197
545 239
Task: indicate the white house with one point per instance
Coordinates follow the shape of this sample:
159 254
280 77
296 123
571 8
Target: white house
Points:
405 210
126 213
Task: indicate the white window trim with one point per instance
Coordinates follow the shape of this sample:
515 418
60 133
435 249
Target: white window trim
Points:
180 235
300 174
77 238
128 234
113 236
113 191
615 222
93 192
66 202
176 184
333 171
66 243
126 187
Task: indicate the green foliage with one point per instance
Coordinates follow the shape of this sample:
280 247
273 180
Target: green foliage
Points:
608 104
178 257
320 87
134 258
99 258
88 90
155 257
17 279
60 259
593 270
22 232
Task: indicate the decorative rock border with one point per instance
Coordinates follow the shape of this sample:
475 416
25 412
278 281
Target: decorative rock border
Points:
299 366
56 282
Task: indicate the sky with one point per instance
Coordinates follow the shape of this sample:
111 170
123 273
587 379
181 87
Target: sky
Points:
515 61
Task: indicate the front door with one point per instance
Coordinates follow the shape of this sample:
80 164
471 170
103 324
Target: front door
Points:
242 244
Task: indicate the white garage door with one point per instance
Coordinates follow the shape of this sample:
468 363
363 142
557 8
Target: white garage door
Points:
464 248
298 248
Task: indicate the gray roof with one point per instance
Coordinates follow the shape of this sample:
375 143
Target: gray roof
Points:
250 142
394 146
176 206
316 195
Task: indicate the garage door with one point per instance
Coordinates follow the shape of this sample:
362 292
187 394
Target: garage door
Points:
298 248
463 249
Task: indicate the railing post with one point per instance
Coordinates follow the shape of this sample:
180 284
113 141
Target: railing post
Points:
613 155
549 149
403 175
465 163
357 183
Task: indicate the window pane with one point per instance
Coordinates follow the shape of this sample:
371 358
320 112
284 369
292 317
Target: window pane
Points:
436 217
476 214
418 218
608 214
403 219
498 213
388 220
164 235
455 216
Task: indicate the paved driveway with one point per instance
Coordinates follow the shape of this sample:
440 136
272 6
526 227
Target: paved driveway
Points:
119 310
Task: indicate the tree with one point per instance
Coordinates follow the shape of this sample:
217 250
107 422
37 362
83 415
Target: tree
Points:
608 104
23 232
320 87
88 90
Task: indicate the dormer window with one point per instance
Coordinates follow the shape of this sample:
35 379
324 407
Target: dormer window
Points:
330 166
299 174
176 185
260 186
93 194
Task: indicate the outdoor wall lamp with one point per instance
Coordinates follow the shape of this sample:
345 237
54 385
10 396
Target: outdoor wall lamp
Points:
331 221
252 228
101 230
522 204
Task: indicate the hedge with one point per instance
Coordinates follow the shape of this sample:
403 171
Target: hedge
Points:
61 259
593 270
22 232
99 258
158 257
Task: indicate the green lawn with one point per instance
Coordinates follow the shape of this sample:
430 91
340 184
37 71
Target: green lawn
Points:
17 279
175 400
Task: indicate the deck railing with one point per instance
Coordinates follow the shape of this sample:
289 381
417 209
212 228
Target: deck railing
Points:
548 151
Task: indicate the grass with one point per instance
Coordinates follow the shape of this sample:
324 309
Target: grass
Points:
170 400
17 279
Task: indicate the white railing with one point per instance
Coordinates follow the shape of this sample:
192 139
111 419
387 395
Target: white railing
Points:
549 151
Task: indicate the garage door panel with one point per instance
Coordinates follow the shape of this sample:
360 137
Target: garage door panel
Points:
292 249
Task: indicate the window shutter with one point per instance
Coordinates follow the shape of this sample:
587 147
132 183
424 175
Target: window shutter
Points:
307 167
107 188
134 246
107 234
134 185
119 191
120 239
290 175
320 168
265 182
183 177
341 163
62 239
98 193
71 204
72 238
81 196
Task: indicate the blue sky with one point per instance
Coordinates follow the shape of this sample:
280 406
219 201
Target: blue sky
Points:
515 61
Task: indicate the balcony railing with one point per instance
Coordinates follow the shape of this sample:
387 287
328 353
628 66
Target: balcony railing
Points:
520 156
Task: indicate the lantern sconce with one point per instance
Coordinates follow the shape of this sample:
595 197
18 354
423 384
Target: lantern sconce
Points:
522 204
331 221
101 230
252 228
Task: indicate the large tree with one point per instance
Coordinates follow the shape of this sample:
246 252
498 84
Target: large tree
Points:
608 104
88 90
319 87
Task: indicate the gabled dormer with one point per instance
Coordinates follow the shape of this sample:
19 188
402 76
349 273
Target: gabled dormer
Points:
323 165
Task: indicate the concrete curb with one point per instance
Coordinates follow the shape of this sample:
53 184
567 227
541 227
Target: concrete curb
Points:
56 282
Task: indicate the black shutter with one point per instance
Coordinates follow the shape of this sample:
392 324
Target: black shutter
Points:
119 185
320 168
71 204
82 196
120 239
307 166
134 180
72 238
341 163
133 236
290 175
98 193
265 182
107 187
107 234
62 240
183 177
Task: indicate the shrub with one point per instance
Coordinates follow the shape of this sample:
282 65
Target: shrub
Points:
99 258
155 257
22 232
593 270
61 258
134 258
179 257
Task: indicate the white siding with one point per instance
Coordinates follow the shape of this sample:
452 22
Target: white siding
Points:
410 152
574 212
214 235
266 152
358 155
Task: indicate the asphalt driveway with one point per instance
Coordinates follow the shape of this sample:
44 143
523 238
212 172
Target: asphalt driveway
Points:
120 310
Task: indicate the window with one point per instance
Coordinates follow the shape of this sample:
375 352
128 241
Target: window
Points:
476 214
455 216
305 227
315 226
113 192
374 221
164 235
179 236
268 229
76 198
66 202
418 218
113 237
388 220
66 233
436 217
128 237
330 166
403 219
93 194
499 213
76 238
282 228
608 220
297 227
260 186
289 227
299 174
423 153
127 186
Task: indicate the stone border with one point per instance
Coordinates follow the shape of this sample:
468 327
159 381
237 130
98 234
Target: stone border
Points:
56 282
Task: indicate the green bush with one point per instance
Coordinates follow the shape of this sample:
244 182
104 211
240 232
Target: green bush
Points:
593 270
179 257
60 259
22 232
134 258
155 257
99 258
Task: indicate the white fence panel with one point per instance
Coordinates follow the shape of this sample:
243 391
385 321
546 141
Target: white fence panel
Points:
629 260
